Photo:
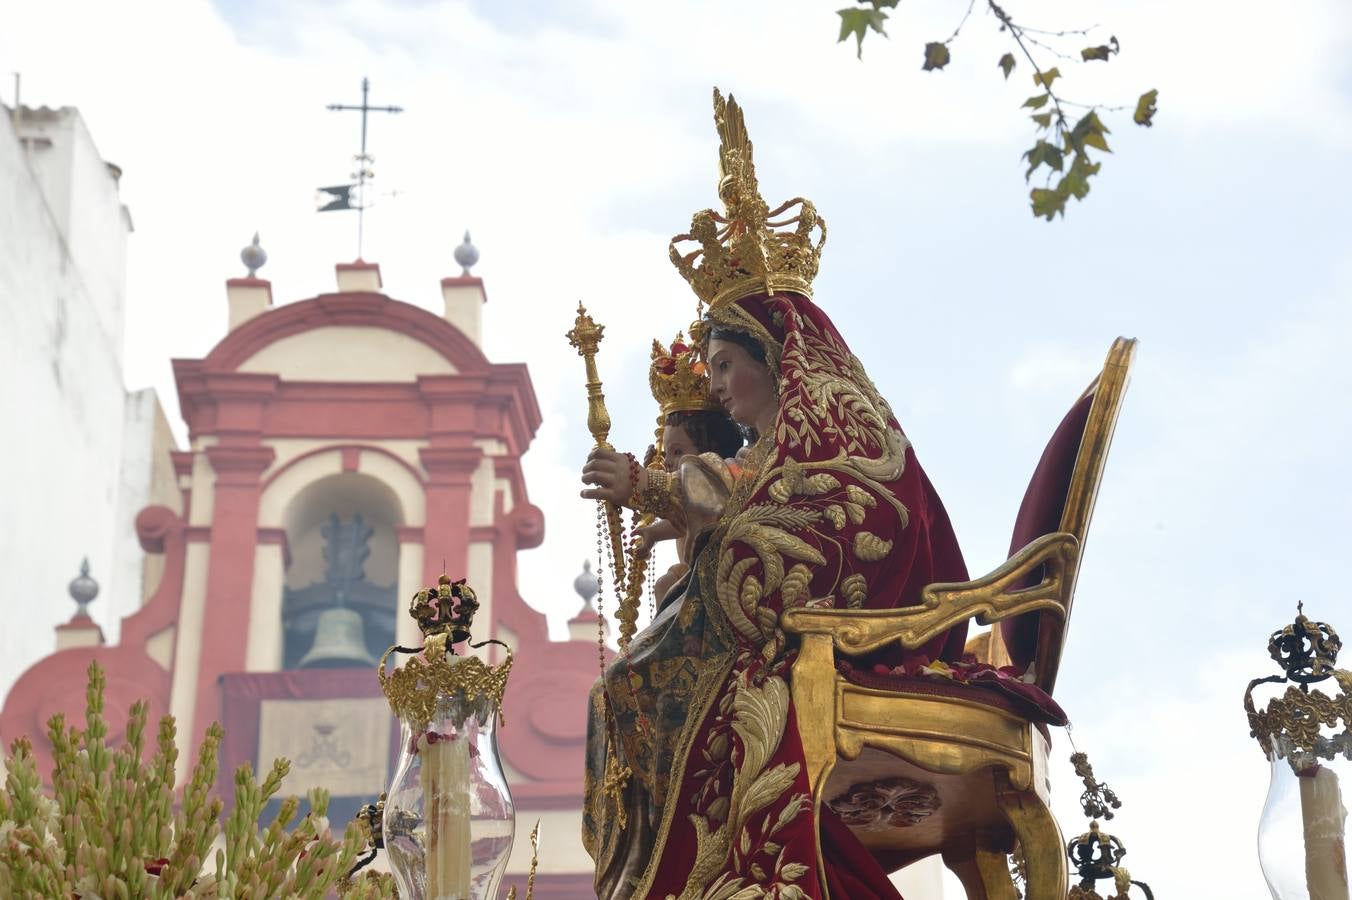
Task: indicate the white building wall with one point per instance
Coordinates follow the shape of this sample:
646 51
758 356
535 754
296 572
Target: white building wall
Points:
63 407
85 208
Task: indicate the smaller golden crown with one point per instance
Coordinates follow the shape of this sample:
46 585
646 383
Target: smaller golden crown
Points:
679 380
751 248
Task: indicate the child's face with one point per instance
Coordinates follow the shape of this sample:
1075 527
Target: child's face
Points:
676 443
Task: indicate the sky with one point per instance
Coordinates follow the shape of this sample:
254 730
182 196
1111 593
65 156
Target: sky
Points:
574 138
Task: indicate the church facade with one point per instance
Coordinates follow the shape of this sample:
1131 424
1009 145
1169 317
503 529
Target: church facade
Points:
344 450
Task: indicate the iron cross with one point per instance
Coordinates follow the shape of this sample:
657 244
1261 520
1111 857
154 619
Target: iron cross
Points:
363 173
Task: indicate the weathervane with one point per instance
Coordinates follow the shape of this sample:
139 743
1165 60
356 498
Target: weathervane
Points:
340 196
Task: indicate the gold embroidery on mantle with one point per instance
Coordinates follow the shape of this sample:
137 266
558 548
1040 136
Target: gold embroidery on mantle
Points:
869 547
760 715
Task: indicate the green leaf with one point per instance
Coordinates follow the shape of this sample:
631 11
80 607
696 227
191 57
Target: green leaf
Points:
936 56
1101 52
1089 132
1145 109
1096 140
1043 120
1075 183
1007 64
1043 153
857 22
1047 203
1037 101
1045 79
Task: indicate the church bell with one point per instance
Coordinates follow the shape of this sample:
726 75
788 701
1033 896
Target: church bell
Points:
340 641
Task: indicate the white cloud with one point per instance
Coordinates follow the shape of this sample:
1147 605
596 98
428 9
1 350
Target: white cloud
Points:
1185 769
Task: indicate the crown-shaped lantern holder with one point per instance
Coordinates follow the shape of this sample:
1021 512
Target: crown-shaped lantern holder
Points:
448 819
1307 736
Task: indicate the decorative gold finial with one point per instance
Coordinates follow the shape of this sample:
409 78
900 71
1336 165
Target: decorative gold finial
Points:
746 250
585 337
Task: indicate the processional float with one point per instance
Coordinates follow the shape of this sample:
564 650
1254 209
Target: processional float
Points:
909 795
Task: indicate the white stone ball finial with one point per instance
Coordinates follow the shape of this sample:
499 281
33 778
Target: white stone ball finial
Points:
586 584
83 589
466 255
253 256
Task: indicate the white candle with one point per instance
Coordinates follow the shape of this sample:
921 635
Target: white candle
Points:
445 779
427 774
1323 814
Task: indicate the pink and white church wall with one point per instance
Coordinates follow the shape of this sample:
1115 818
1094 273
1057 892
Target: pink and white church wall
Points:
342 450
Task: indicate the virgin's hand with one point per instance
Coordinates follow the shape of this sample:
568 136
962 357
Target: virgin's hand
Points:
608 472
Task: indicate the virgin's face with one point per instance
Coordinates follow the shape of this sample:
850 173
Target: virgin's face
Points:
743 385
676 443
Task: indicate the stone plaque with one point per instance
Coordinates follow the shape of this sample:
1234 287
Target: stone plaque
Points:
341 745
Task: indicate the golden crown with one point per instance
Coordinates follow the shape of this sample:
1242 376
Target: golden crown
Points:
679 380
750 248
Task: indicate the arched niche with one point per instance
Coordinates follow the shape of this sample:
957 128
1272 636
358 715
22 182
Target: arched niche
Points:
341 530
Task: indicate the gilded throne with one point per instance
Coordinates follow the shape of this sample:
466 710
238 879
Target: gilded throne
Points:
953 768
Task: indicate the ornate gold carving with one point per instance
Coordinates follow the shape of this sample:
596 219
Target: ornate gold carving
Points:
371 818
1290 725
585 336
987 599
413 688
888 803
1109 389
1097 856
1098 800
367 885
746 250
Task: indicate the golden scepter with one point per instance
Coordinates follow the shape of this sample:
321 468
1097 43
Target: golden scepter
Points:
586 337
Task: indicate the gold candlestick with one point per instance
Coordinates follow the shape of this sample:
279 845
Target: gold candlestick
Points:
585 337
